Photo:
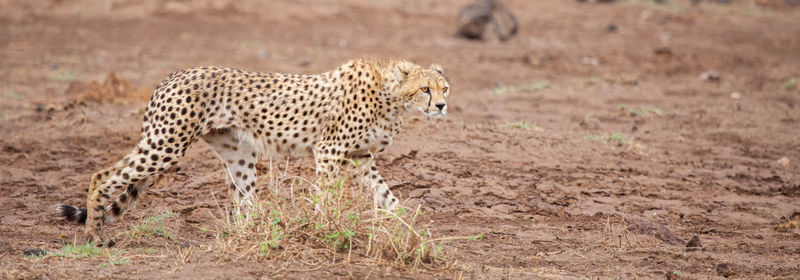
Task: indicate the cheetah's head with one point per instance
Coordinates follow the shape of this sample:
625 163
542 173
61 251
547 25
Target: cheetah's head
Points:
425 90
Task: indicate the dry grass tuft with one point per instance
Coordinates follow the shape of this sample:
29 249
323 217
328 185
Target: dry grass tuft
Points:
112 90
618 235
293 222
630 143
789 224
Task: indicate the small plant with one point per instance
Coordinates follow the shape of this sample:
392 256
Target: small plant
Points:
532 87
153 226
670 6
524 126
519 124
476 237
85 250
641 112
619 139
113 262
790 84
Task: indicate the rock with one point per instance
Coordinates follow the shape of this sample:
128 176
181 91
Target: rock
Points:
783 162
658 231
665 51
611 28
724 270
33 252
695 244
709 76
736 95
474 18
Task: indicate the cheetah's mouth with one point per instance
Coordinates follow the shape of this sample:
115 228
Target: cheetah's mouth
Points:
428 113
435 115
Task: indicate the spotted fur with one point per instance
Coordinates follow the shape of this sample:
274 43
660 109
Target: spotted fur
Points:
350 113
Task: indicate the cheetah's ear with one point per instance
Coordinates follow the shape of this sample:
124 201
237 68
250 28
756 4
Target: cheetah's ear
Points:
437 68
400 73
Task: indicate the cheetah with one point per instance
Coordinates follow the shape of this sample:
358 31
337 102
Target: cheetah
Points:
351 113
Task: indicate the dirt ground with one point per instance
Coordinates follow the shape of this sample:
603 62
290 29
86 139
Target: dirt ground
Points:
591 145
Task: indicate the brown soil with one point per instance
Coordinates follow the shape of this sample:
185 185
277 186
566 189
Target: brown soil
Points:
602 155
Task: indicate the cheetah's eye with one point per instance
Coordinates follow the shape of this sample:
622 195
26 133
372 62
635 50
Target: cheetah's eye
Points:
426 90
445 89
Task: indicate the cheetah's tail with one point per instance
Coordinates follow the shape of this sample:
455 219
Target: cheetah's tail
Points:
71 213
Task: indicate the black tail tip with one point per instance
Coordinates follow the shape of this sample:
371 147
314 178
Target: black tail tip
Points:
71 213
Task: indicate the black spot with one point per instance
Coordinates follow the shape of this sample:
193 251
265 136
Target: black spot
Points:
115 209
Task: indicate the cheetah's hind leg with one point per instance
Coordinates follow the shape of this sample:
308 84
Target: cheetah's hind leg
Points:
114 189
238 154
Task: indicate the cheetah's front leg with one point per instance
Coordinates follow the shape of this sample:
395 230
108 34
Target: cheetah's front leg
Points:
367 175
328 157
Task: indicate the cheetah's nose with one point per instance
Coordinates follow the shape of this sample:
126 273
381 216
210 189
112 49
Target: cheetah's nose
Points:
440 106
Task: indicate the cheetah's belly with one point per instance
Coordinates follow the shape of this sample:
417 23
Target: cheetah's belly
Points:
374 141
279 144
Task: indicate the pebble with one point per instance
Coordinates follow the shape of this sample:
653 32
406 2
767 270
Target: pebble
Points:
784 162
736 95
695 244
590 61
709 76
724 270
33 252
